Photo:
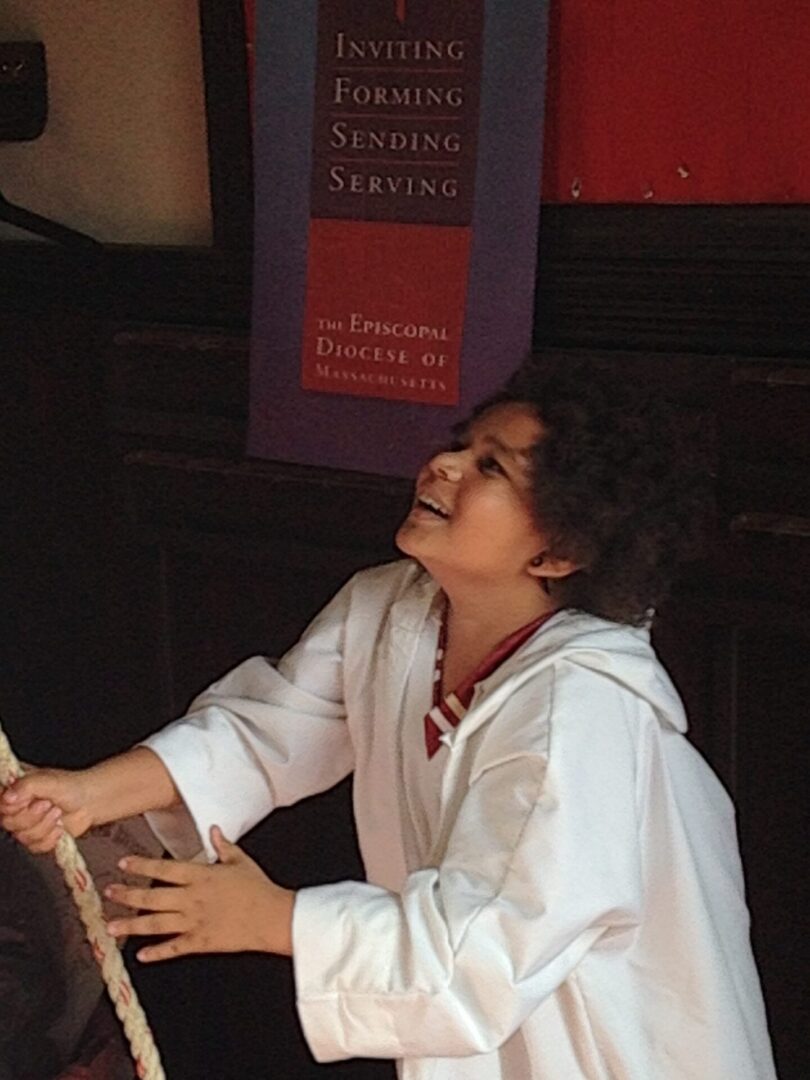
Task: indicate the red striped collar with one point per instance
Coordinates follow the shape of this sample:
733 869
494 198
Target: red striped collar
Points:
448 711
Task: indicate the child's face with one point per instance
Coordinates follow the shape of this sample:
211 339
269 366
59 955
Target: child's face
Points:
472 512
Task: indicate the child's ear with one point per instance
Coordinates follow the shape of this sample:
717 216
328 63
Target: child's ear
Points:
546 565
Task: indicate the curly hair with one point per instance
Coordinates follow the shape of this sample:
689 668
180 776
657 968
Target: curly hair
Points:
621 482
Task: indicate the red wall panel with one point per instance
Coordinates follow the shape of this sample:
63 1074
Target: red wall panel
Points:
679 101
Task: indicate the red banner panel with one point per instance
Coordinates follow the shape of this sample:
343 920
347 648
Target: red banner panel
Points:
394 138
385 310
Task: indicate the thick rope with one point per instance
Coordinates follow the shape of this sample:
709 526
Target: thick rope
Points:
105 950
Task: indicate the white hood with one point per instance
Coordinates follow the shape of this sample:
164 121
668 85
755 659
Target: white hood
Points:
622 654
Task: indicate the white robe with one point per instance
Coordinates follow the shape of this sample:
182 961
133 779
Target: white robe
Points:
573 905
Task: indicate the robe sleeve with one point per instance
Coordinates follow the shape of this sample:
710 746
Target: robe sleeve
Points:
261 737
542 862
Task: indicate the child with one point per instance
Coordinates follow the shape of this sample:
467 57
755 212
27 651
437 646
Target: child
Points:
554 888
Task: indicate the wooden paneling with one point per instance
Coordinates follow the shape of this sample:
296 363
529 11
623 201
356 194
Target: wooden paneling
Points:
224 33
72 681
715 280
726 281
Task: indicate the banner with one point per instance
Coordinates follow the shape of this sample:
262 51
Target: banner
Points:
397 175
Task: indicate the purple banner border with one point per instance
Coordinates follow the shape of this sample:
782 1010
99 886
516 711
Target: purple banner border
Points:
290 424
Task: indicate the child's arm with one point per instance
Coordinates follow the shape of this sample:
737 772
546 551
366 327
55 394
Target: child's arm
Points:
261 737
542 861
37 807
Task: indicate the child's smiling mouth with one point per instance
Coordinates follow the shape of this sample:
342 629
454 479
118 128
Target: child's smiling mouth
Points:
425 502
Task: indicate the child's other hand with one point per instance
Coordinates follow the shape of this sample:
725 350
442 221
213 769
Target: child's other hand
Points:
40 806
231 906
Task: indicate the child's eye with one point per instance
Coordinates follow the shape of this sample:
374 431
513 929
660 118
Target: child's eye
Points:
490 464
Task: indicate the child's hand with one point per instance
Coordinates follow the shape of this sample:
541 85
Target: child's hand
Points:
231 906
37 808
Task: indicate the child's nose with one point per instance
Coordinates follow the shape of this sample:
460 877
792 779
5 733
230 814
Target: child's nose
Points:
447 467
